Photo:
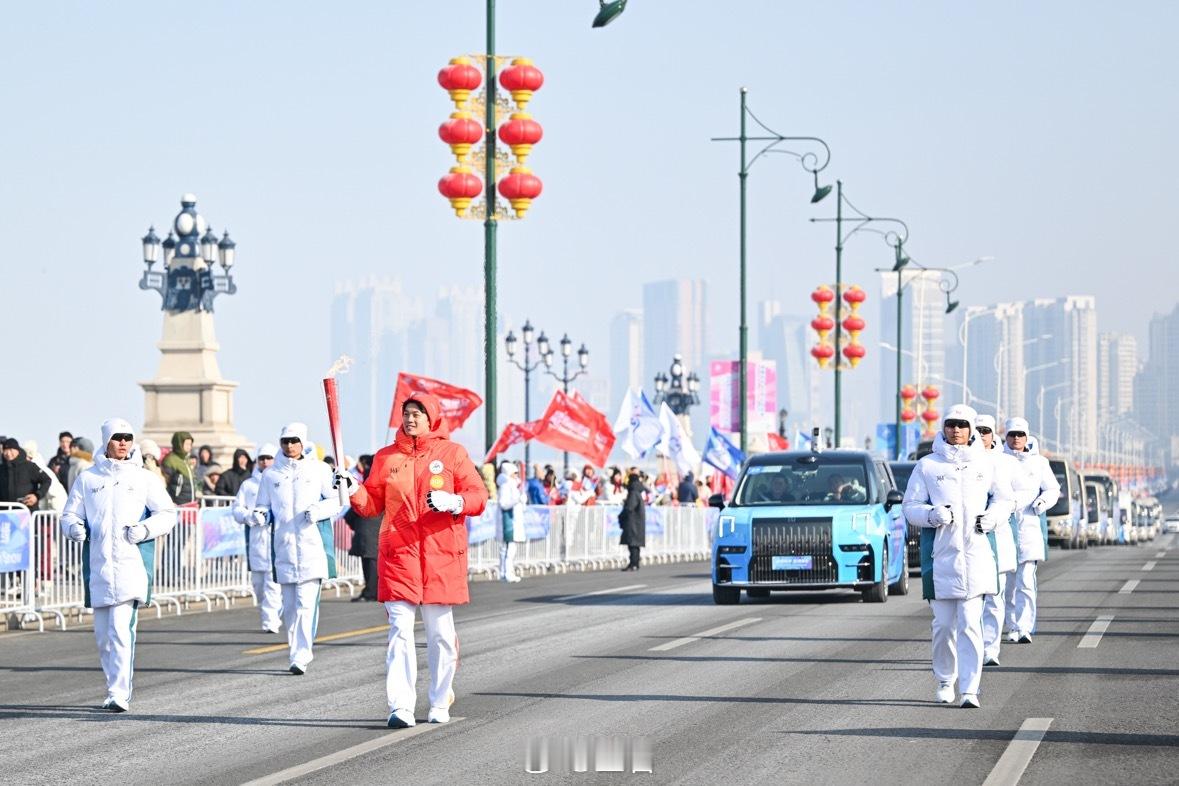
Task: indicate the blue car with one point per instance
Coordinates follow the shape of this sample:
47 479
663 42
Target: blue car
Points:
810 521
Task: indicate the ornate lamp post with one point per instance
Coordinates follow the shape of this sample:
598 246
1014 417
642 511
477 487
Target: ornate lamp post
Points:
679 391
565 377
810 162
528 334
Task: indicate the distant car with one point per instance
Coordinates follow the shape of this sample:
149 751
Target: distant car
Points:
901 470
1172 524
1065 524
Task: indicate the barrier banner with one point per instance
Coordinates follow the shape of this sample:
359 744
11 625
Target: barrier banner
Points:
653 518
481 528
222 536
14 541
538 520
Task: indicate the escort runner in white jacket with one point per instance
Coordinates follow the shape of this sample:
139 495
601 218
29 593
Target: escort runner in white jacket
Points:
117 508
1036 490
296 494
258 544
1002 541
510 519
953 495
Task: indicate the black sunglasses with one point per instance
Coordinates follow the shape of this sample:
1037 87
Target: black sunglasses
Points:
122 438
266 458
1015 434
957 424
983 430
290 441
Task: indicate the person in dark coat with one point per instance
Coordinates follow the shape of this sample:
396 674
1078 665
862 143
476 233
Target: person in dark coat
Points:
686 493
60 463
232 479
366 533
633 520
20 479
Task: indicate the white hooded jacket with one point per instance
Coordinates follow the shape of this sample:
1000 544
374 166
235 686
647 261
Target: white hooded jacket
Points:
1005 467
297 494
104 500
1036 489
958 477
510 497
257 536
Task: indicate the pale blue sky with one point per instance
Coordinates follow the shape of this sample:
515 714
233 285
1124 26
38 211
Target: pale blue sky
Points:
1039 133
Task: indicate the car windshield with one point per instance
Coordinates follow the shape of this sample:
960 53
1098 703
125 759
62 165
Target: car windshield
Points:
900 473
1061 506
806 481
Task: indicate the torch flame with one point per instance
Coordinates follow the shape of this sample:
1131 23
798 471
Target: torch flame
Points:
342 365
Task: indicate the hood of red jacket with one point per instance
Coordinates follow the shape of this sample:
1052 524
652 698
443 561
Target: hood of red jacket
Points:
438 427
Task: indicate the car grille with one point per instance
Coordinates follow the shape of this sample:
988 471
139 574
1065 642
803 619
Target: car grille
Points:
793 538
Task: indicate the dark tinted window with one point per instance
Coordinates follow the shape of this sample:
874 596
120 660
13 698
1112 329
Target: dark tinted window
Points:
818 482
1091 501
1061 508
901 471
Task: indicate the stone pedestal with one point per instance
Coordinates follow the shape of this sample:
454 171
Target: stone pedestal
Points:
188 393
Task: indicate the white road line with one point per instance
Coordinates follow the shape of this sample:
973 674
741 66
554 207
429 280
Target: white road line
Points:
1150 565
1160 555
609 591
1015 759
332 759
1128 587
1092 637
671 645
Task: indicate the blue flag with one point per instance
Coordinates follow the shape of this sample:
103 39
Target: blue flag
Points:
723 454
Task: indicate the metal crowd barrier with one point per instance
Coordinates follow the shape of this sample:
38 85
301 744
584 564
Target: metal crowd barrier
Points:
18 563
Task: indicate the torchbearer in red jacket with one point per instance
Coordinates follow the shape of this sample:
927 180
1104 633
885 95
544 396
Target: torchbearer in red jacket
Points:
425 486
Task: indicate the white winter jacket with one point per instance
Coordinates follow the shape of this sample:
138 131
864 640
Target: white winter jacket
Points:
257 536
104 500
287 492
1035 486
509 497
958 564
1005 467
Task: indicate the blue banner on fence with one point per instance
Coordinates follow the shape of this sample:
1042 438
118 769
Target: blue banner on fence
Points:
222 536
14 541
482 527
653 518
538 520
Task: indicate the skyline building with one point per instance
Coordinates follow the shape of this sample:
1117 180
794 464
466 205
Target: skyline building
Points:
923 360
626 355
1061 372
1156 387
993 342
675 322
1117 364
786 339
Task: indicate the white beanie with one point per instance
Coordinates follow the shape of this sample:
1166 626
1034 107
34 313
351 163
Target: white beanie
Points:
149 447
961 412
985 421
267 449
115 426
295 429
1017 424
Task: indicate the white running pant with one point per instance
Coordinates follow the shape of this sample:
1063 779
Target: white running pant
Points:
114 630
300 614
269 595
1021 599
507 554
992 621
401 658
958 642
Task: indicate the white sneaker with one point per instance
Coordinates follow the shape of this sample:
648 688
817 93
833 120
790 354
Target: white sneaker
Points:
512 578
401 719
1013 637
945 693
970 701
438 715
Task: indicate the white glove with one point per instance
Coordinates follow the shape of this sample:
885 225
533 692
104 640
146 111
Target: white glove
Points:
135 533
445 502
1039 506
309 516
258 517
941 516
985 523
76 532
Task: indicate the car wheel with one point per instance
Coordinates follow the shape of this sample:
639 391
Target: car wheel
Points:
757 593
902 584
726 596
878 592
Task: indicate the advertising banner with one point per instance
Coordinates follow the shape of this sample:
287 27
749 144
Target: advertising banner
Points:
761 395
15 541
653 518
221 535
538 520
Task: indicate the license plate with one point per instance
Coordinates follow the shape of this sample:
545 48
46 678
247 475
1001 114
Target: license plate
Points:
791 563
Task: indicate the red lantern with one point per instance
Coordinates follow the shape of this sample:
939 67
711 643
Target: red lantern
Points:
853 325
822 296
460 132
460 187
459 79
931 416
521 80
520 188
823 325
854 296
520 133
908 416
823 353
854 353
930 393
908 393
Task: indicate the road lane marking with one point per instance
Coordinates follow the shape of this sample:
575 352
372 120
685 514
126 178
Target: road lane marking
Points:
1015 759
671 645
348 634
1160 555
332 759
1128 587
1092 637
1150 565
609 591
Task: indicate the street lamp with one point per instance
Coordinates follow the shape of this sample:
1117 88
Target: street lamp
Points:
810 162
528 334
188 280
608 12
565 377
679 391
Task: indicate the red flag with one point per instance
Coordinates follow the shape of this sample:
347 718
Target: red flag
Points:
777 442
457 403
570 423
512 434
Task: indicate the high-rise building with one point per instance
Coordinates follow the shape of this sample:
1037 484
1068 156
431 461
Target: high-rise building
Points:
1061 373
923 356
674 322
1156 388
993 342
626 355
786 339
1117 363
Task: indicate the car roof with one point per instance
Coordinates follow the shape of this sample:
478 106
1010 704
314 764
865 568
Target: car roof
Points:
789 456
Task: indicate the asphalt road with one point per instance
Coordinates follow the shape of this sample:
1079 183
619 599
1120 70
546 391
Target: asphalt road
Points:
803 688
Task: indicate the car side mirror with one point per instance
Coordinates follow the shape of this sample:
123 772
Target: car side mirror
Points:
892 498
717 501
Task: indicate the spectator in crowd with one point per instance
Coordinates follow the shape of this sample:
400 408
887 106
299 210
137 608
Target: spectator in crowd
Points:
686 493
616 487
59 463
56 498
177 472
366 533
267 591
589 484
364 465
701 494
633 520
551 492
151 457
331 462
511 519
20 479
209 481
231 480
81 459
536 490
487 472
204 460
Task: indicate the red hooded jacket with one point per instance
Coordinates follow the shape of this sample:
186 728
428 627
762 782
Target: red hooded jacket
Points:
422 556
